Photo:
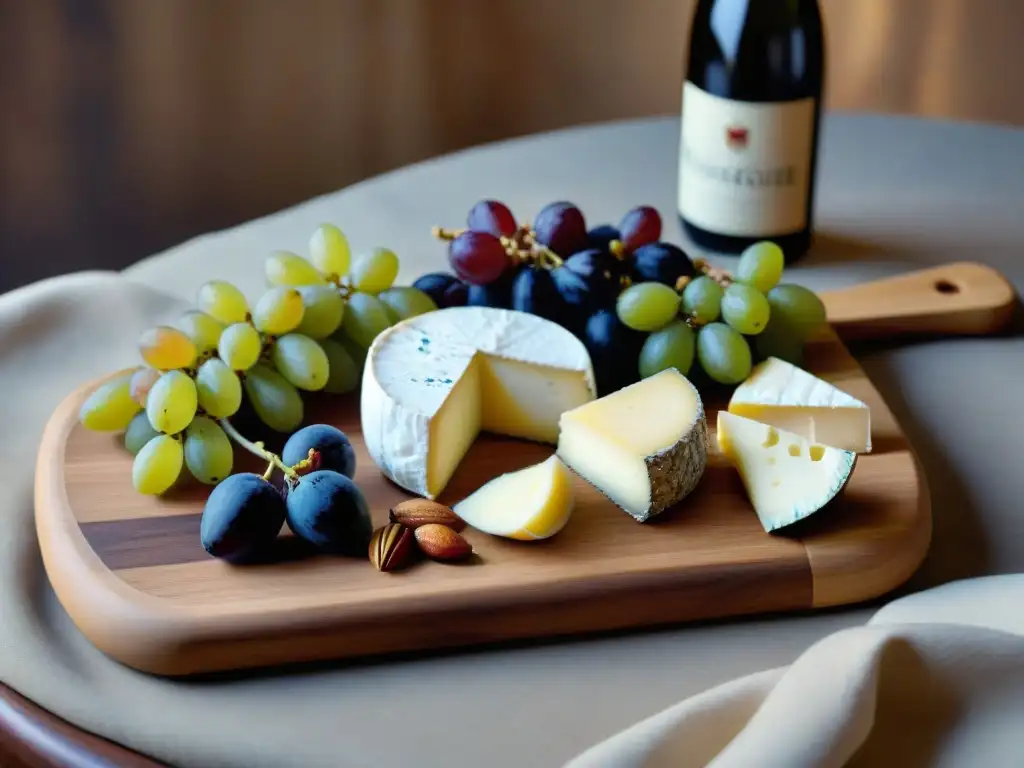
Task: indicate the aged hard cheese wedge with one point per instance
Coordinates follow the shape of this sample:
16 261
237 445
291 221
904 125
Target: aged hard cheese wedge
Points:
787 478
432 382
644 446
532 503
790 398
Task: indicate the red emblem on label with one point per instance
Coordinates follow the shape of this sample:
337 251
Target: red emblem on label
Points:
736 137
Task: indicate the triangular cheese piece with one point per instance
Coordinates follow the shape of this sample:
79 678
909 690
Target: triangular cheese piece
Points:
787 397
787 478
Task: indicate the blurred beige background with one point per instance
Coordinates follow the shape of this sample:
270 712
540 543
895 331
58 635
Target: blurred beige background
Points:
129 125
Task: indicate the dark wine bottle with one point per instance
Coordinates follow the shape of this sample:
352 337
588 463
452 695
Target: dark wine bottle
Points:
750 115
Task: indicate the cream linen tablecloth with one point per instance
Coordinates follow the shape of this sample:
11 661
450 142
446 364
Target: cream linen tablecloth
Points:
935 678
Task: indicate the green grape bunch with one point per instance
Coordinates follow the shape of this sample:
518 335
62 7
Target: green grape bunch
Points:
308 332
722 322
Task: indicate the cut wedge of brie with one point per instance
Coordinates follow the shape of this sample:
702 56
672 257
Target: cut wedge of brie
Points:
787 478
644 446
531 503
790 398
433 382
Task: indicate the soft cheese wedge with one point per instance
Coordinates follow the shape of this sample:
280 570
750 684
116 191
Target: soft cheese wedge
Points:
787 477
644 446
433 382
532 503
790 398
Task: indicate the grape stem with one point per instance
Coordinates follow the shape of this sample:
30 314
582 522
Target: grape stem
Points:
258 449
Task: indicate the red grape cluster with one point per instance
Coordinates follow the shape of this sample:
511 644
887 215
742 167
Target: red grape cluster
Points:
559 269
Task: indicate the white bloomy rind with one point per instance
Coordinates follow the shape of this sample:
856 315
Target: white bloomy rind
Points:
790 398
432 382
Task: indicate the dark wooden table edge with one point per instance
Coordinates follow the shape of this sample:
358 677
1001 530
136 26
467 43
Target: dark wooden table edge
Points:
32 737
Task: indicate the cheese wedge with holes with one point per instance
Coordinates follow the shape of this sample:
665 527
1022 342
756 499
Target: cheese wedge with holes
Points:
788 397
432 382
643 446
787 478
531 503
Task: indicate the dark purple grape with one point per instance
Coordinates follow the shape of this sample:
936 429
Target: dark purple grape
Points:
328 510
661 263
534 291
560 226
602 236
455 295
640 226
242 517
577 301
600 271
335 450
492 217
497 294
614 351
434 284
477 257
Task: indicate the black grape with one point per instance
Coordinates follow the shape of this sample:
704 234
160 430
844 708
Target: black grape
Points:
600 271
661 263
434 284
602 236
329 511
497 294
336 452
534 291
614 351
561 227
576 297
455 295
242 517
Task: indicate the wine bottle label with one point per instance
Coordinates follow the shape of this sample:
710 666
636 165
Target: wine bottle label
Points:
744 167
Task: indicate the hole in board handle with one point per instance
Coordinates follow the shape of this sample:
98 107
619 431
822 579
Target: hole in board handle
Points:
944 286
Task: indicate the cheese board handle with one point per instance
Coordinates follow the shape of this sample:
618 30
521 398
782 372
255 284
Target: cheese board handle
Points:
959 299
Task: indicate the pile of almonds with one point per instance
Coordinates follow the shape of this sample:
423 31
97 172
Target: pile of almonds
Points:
418 526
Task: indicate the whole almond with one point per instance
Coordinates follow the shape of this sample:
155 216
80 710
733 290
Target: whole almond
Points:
441 543
416 512
391 547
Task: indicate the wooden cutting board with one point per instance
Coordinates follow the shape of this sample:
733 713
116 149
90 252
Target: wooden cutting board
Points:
131 573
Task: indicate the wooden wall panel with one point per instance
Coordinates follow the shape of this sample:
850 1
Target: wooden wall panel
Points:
126 126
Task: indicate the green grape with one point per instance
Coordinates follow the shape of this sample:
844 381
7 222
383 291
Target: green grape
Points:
278 311
375 271
301 361
208 453
240 346
157 465
110 408
745 309
276 402
223 302
800 308
172 402
647 306
356 352
723 353
323 308
167 348
673 346
702 299
365 317
139 432
760 266
329 251
141 382
405 302
343 372
290 269
203 329
779 340
218 388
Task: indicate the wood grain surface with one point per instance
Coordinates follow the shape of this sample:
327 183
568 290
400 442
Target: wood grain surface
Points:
132 574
